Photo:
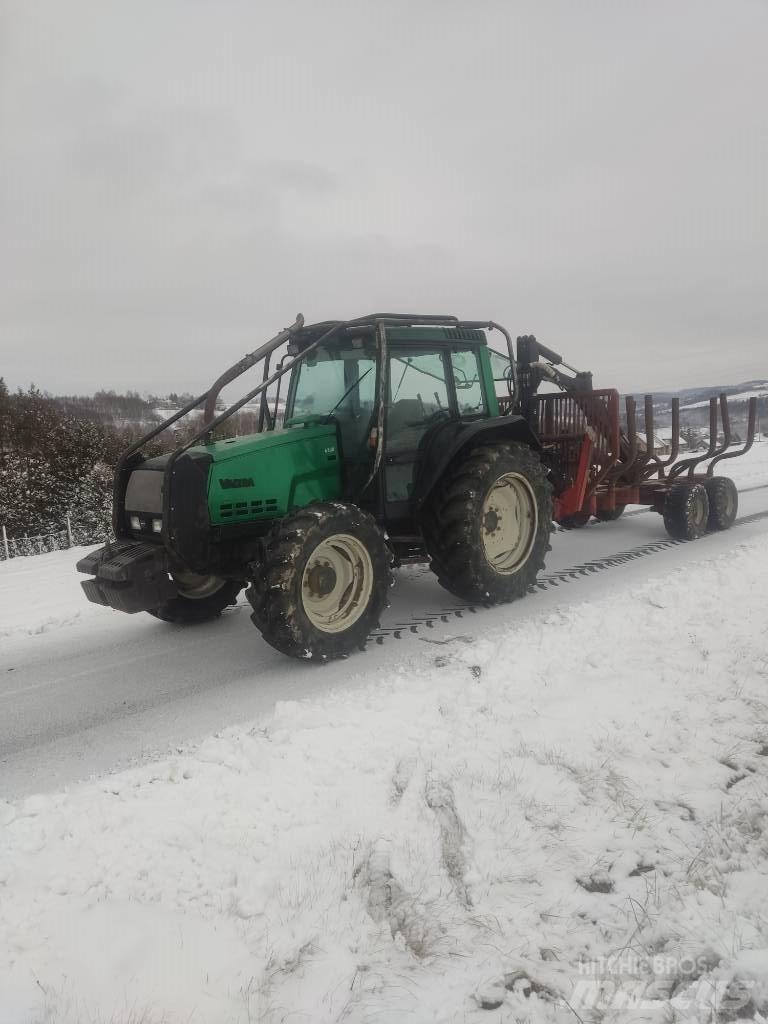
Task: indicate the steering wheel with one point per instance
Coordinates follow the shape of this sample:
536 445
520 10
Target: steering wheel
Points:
432 418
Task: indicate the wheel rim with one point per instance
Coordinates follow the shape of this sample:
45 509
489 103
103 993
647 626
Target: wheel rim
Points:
699 507
729 503
336 584
509 520
195 587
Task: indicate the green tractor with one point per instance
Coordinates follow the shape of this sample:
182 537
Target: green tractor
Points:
392 449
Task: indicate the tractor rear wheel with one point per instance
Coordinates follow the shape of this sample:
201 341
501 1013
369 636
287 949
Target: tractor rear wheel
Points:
323 583
487 526
610 515
686 511
723 502
200 599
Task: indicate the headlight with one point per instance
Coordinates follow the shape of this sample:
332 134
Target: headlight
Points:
157 526
135 523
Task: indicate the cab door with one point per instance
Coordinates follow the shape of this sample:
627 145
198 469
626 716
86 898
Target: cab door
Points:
419 395
426 386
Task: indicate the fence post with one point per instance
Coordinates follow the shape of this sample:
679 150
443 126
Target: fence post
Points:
69 532
5 544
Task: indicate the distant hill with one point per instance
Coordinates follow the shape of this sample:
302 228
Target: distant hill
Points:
694 405
691 398
737 393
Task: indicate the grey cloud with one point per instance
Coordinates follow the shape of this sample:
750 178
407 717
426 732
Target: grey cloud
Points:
178 180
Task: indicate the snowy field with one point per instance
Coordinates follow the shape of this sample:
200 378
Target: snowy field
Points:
556 816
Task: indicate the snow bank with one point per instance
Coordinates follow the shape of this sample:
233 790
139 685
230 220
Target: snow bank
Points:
751 470
29 606
570 817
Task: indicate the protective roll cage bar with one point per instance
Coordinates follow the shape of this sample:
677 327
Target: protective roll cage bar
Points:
315 335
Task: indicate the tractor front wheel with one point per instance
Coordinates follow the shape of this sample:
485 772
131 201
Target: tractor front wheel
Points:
200 599
487 526
686 511
323 583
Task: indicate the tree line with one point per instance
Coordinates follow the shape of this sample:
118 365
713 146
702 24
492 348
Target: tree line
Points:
57 455
54 463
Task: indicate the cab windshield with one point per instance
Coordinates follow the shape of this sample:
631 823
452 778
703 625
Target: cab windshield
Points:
338 382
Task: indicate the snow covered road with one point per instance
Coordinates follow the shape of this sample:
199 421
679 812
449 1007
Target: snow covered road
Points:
84 690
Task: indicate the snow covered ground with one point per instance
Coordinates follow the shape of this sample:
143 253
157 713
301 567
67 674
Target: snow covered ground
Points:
556 815
560 816
749 470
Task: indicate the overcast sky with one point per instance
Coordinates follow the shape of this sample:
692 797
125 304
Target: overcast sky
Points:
179 178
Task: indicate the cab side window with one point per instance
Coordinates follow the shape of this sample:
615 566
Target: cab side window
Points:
417 397
469 388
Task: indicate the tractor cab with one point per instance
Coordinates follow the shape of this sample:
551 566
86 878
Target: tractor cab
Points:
393 394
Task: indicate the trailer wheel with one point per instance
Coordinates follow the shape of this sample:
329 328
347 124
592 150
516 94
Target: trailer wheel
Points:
576 521
723 502
686 511
610 515
200 599
323 583
488 523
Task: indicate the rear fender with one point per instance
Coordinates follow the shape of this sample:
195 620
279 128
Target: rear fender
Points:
453 438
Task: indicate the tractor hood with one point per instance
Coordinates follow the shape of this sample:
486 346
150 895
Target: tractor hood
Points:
264 476
235 447
246 479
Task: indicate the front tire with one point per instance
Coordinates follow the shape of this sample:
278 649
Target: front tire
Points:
324 582
487 526
200 599
686 511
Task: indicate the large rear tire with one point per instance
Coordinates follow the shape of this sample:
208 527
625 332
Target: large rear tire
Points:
723 502
324 582
686 511
488 523
200 599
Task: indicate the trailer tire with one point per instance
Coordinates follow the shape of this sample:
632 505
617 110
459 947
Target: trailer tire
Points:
610 515
723 502
323 582
189 610
575 521
686 511
487 525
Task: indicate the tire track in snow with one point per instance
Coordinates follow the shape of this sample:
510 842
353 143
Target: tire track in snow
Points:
547 581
